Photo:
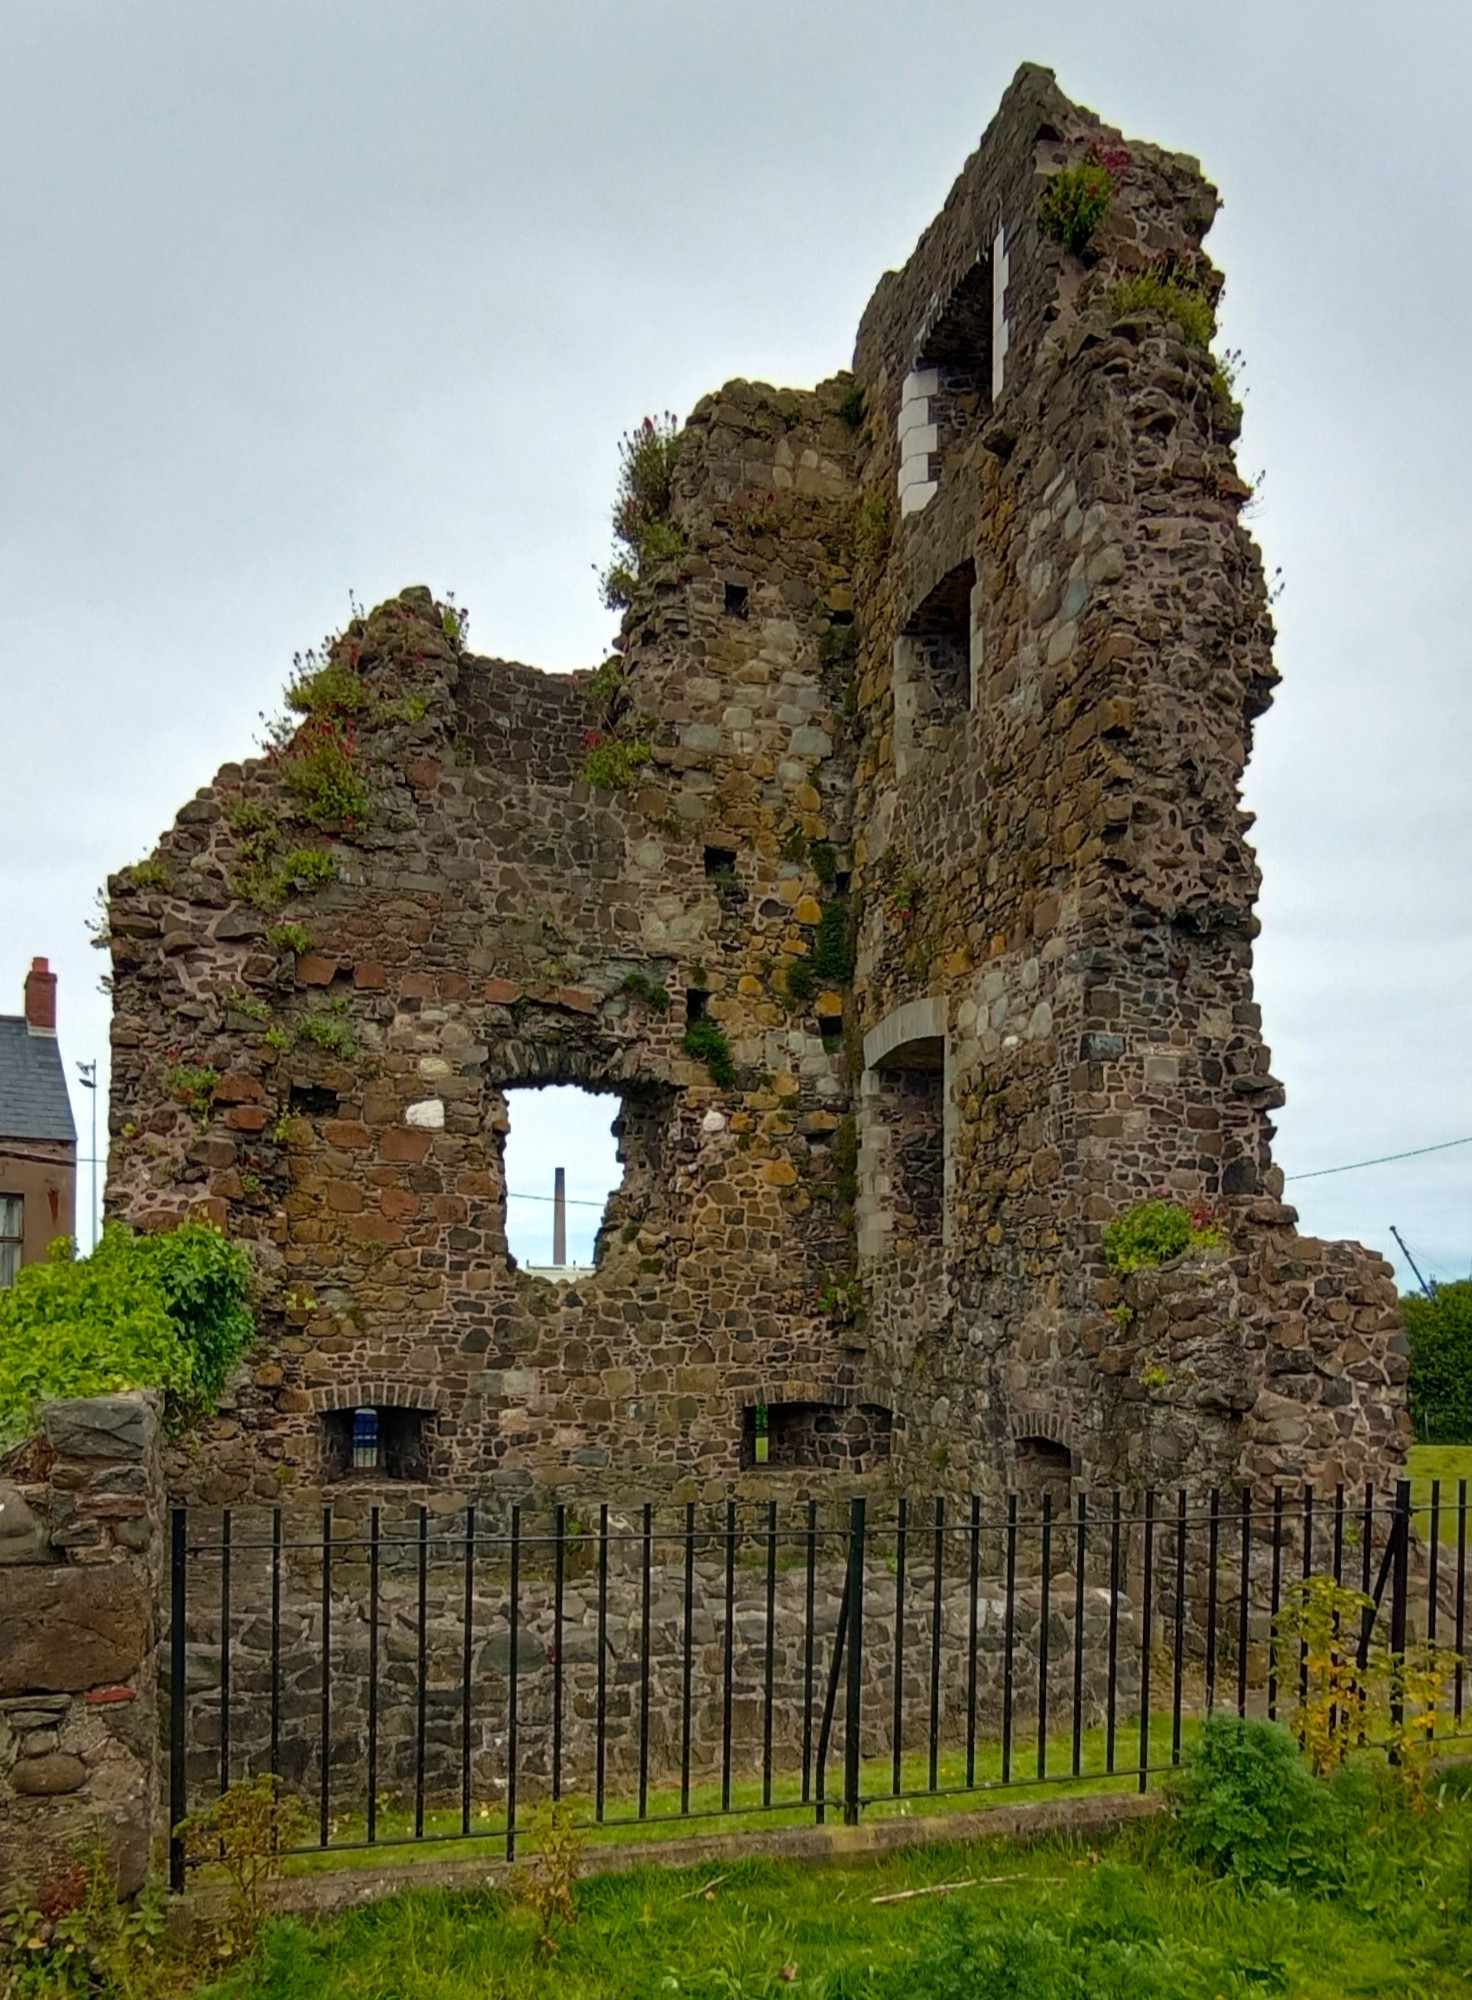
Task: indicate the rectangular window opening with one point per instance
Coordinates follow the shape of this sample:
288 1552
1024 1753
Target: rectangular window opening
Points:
832 1437
720 864
12 1237
696 999
737 599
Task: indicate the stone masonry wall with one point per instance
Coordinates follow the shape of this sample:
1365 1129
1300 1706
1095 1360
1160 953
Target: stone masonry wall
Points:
959 660
81 1557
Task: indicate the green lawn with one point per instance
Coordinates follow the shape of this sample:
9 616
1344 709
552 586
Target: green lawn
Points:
1448 1463
1129 1920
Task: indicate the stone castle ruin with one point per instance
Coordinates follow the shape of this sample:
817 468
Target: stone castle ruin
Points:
893 879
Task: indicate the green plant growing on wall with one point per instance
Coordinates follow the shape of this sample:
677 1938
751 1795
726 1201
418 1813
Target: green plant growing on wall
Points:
1152 1232
331 1029
873 528
246 815
1154 1376
192 1085
609 764
153 873
1077 198
289 937
252 1005
706 1042
825 862
644 529
1169 293
639 986
833 957
161 1311
800 980
851 407
323 774
276 1037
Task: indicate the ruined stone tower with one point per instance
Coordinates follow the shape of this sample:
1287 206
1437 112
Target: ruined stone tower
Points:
923 750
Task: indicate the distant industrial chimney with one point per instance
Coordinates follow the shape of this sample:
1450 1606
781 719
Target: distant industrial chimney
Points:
559 1217
41 998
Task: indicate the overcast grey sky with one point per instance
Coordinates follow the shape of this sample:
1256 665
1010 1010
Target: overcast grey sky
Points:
308 298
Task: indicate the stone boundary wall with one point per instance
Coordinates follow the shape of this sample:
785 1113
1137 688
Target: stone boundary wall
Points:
81 1547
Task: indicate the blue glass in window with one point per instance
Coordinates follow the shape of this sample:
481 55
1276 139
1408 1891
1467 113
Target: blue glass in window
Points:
365 1440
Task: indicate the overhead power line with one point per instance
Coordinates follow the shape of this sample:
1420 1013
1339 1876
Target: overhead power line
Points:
1415 1153
573 1200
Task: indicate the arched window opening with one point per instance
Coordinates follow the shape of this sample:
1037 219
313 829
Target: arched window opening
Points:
1044 1466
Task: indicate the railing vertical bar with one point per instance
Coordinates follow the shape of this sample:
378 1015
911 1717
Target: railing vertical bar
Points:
897 1705
769 1662
1009 1634
1461 1632
1111 1708
1044 1619
421 1672
1367 1558
1147 1616
936 1609
513 1684
225 1526
601 1703
467 1667
1080 1558
178 1666
1339 1533
1244 1603
646 1565
1213 1564
808 1643
1433 1562
324 1720
687 1677
728 1674
973 1583
1400 1578
1178 1665
852 1767
559 1598
374 1557
1275 1602
1308 1570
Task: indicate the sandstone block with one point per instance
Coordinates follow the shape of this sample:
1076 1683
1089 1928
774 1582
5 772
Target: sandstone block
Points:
66 1629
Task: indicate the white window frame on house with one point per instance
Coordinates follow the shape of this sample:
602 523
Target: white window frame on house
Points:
12 1237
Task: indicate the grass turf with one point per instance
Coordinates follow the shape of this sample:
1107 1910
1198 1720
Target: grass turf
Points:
1135 1921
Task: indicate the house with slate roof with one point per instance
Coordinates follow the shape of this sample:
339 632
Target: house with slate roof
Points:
38 1141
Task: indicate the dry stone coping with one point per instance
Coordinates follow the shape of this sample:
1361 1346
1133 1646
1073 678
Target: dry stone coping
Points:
102 1427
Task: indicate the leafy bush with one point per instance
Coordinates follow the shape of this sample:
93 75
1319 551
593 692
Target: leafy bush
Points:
1440 1333
801 981
611 765
247 1830
1154 292
1074 203
322 773
1247 1805
833 958
331 1029
289 937
165 1311
648 992
706 1042
643 528
1152 1232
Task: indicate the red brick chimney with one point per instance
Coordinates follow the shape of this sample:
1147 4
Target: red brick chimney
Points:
41 998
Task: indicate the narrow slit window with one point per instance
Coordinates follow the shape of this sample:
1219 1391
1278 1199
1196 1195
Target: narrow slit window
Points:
12 1236
696 998
738 597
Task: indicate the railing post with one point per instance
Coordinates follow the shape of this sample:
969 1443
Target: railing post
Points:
851 1769
178 1768
1399 1594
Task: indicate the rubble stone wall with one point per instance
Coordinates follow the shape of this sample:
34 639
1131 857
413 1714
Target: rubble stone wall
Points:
81 1563
958 656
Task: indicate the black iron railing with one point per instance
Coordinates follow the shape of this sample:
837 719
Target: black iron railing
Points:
424 1676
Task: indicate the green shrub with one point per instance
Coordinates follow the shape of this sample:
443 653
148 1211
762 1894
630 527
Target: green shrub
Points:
289 937
1152 1232
801 981
639 986
165 1311
1154 292
154 873
707 1043
644 530
192 1085
833 958
331 1029
613 766
851 407
1247 1805
321 770
1440 1333
1075 202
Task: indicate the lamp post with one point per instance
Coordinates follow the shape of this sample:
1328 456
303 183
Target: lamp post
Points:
87 1072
